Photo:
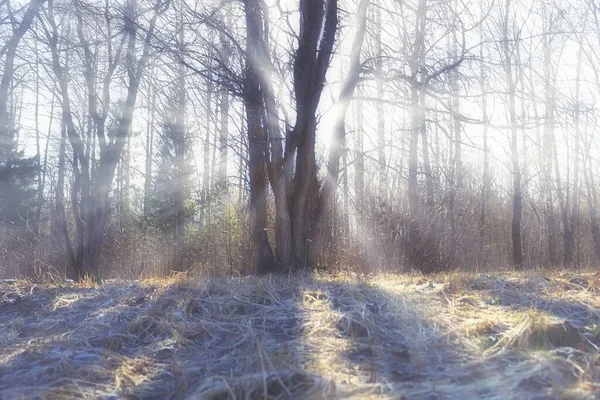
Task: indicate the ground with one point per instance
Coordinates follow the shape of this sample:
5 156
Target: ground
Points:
454 336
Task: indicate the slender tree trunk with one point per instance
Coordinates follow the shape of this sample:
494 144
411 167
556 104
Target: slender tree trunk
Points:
456 161
180 166
517 249
148 171
222 184
485 187
551 224
383 183
520 69
61 221
345 192
592 200
47 146
572 221
149 150
206 197
359 166
40 191
416 240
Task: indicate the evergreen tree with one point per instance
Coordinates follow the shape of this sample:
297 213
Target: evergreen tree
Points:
18 181
171 187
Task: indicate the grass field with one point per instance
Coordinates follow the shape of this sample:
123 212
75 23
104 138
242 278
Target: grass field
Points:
458 336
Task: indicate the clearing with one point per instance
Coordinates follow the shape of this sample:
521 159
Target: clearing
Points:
453 336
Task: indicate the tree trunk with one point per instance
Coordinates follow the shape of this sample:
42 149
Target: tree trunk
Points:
337 145
592 201
61 221
551 224
181 149
222 184
149 151
517 216
485 187
381 158
416 252
253 103
359 167
9 64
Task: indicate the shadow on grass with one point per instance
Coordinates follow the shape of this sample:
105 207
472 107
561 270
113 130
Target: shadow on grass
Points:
243 338
537 294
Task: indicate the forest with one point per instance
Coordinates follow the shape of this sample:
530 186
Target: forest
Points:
365 198
144 138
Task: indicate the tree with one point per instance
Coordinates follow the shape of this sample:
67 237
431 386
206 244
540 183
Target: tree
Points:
509 69
18 174
300 203
96 183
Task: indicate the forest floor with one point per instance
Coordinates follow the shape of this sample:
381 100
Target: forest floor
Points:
455 336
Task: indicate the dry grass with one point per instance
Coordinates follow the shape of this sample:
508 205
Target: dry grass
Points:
384 336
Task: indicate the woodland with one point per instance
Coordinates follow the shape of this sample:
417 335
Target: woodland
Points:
299 199
141 138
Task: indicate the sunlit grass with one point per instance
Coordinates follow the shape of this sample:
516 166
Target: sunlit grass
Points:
326 335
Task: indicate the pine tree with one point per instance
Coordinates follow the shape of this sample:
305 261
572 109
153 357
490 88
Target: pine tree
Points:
18 181
171 187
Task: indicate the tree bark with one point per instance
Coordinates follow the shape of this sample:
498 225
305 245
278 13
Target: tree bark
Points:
253 103
517 216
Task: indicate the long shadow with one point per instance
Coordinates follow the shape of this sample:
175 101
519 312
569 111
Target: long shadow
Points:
138 342
382 348
29 310
236 345
65 340
527 295
225 339
379 346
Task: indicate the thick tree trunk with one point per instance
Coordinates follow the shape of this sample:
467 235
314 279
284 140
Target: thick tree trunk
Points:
295 187
257 143
258 185
306 189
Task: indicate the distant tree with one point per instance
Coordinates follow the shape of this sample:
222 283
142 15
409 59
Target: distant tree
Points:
18 183
170 186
